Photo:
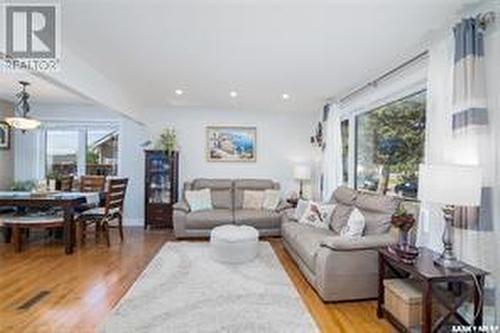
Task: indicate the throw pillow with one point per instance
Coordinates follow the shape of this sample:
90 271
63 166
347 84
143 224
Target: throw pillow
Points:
355 225
317 215
199 200
253 199
271 199
301 208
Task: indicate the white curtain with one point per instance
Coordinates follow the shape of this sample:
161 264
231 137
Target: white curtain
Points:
332 156
444 145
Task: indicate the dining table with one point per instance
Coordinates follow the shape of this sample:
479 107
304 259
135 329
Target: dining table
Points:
68 202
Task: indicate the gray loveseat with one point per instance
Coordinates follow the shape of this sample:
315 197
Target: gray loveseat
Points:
342 268
227 202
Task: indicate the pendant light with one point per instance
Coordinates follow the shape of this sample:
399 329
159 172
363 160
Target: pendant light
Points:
21 120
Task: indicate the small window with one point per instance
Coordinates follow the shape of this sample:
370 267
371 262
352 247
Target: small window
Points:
344 137
102 152
390 146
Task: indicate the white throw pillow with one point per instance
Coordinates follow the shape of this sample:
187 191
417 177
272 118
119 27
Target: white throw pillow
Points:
253 199
199 200
271 199
318 215
355 225
301 208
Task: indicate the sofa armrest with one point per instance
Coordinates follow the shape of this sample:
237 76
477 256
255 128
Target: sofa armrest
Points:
181 207
339 243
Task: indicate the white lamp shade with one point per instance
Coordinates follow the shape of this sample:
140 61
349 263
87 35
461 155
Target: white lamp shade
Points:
22 123
302 172
445 184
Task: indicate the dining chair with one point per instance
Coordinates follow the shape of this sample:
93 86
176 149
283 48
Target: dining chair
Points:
104 218
92 183
66 183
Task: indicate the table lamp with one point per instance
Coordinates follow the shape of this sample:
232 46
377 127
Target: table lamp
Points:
302 173
449 185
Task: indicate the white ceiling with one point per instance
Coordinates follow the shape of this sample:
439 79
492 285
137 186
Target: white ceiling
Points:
262 49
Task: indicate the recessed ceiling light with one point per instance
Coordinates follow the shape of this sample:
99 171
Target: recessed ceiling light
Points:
285 96
233 94
179 92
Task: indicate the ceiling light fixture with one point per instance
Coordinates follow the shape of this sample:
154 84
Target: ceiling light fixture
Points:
21 120
179 92
285 96
233 94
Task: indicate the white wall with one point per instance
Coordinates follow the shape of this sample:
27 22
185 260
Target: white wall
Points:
6 156
282 141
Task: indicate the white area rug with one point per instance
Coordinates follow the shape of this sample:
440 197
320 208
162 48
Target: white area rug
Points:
184 290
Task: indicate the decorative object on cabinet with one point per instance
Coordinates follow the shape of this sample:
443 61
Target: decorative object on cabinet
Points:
168 140
161 187
231 144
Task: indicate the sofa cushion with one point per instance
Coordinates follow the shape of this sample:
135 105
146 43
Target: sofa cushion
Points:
240 185
221 191
305 241
208 219
344 197
260 219
377 210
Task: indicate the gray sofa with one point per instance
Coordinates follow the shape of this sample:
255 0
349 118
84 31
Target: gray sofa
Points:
341 268
227 202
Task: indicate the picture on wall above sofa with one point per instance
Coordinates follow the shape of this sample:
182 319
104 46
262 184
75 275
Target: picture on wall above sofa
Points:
231 144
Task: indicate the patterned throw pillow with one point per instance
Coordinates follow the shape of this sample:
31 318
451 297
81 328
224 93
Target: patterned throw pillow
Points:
317 215
253 199
271 199
355 225
199 200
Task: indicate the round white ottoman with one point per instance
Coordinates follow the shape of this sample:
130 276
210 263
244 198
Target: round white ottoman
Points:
234 244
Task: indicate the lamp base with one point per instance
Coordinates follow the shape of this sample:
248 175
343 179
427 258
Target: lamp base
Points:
447 259
448 263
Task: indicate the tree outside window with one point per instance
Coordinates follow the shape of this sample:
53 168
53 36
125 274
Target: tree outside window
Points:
390 146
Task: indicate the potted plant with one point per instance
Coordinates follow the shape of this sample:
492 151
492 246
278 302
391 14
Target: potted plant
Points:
168 140
404 221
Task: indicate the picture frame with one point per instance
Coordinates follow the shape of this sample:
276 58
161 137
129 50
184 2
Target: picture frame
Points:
231 143
4 135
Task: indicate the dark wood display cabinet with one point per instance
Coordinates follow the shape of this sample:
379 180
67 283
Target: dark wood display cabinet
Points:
161 188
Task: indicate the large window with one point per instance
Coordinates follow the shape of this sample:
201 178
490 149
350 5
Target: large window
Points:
390 146
78 151
62 152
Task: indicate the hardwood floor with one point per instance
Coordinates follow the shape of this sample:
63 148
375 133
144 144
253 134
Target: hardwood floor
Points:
42 290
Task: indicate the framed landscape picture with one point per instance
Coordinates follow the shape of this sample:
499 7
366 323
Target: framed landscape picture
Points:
4 135
231 144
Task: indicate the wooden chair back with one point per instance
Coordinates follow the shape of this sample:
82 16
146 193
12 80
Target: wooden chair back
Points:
115 196
92 183
66 183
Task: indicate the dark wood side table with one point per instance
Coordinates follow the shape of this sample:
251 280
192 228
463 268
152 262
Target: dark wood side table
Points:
459 284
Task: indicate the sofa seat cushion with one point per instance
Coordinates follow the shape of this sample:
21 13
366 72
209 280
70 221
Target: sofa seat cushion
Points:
208 219
305 240
260 219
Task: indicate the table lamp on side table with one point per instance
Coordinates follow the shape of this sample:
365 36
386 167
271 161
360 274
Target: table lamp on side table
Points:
449 185
302 173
